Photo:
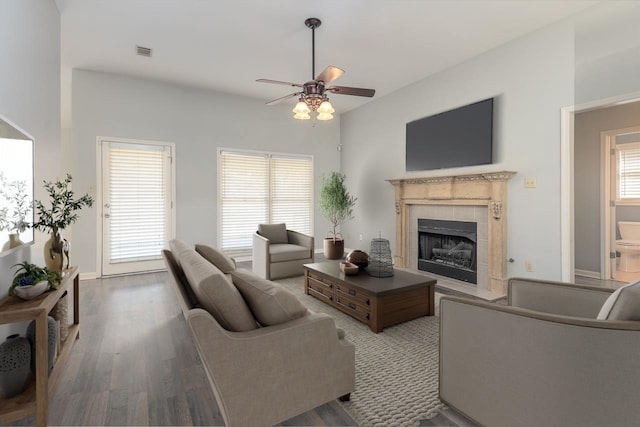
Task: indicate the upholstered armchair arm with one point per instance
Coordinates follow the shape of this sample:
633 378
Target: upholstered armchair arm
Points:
300 239
508 366
561 298
250 370
261 260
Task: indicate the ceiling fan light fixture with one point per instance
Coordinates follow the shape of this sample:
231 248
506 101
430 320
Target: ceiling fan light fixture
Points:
301 108
325 108
325 116
301 116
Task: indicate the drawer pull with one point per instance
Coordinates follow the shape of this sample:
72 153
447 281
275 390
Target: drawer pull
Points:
352 306
352 292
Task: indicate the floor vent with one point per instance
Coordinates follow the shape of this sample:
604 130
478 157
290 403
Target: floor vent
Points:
143 51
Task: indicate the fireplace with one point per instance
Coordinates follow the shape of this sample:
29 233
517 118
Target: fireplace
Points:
448 248
478 197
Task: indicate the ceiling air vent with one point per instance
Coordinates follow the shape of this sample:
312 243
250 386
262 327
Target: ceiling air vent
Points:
143 51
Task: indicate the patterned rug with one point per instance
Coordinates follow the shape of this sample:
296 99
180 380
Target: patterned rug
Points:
396 370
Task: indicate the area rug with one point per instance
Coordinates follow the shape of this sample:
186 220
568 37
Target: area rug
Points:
396 369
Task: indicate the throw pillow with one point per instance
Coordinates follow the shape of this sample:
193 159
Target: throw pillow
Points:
216 293
276 233
623 304
270 303
216 257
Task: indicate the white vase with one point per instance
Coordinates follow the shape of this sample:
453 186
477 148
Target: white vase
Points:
14 242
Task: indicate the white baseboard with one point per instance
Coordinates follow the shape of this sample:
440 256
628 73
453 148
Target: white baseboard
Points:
88 276
587 273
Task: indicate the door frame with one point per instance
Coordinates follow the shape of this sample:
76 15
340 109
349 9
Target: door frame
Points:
99 197
567 213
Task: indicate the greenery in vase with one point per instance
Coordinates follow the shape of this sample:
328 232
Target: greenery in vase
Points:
14 216
335 202
29 274
63 207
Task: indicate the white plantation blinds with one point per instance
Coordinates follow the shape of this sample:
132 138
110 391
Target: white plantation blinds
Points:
137 199
629 172
260 188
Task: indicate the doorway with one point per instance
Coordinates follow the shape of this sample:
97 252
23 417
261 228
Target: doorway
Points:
136 195
620 203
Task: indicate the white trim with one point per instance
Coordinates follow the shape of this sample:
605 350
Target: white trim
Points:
587 273
567 115
88 276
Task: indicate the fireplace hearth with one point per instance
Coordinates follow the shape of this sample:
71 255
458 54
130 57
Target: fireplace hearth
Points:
448 248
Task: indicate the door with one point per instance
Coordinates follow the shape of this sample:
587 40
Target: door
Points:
137 205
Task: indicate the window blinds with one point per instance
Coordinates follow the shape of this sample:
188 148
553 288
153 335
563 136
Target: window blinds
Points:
258 188
628 171
137 199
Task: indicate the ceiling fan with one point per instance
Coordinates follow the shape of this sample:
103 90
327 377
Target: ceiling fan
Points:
313 94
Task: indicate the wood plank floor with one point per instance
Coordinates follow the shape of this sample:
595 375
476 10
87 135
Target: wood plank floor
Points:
135 363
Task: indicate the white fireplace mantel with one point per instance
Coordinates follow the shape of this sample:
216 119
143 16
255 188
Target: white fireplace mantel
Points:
483 189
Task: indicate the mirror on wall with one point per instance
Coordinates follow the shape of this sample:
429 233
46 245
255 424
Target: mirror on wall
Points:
16 187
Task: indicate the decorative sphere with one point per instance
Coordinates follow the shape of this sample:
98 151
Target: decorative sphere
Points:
359 258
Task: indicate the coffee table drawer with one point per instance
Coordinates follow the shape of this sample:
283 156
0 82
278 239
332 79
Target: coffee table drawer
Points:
352 294
352 308
320 290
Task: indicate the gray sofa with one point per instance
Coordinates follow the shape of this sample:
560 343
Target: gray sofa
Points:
279 253
267 357
557 355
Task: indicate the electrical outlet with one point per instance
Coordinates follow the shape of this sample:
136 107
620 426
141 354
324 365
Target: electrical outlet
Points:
361 237
528 265
529 183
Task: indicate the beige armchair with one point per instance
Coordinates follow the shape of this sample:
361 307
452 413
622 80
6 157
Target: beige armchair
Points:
280 253
543 359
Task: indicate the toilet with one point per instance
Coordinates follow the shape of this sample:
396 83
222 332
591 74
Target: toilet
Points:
629 246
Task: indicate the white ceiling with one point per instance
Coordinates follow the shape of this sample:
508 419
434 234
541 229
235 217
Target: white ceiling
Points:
226 45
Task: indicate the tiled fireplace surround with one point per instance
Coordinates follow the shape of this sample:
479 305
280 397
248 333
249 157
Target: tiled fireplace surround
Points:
480 198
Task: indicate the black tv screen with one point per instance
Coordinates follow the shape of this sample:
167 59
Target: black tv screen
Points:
459 137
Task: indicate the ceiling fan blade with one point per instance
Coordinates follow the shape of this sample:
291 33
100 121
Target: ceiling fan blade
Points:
357 91
329 74
278 82
291 95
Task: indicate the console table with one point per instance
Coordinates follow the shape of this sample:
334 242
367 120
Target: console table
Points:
35 398
376 301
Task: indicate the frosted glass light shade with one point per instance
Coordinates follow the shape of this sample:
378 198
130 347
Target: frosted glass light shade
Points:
325 116
302 116
326 108
301 108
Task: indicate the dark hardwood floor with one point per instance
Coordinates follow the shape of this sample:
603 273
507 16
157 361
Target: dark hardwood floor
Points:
135 363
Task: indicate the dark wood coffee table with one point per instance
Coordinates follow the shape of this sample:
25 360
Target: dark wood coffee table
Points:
376 301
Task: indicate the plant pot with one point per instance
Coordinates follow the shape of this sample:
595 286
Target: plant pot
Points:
31 291
333 248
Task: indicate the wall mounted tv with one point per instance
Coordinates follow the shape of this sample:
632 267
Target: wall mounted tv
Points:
459 137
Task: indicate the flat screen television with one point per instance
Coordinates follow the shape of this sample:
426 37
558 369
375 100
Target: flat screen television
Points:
459 137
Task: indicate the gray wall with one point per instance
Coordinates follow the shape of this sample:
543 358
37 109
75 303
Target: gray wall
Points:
30 98
526 121
198 122
587 163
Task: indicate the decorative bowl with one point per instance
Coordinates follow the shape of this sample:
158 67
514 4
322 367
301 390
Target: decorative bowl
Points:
31 291
348 268
359 258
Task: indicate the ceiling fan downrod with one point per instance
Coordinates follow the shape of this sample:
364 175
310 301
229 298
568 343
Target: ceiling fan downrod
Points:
313 23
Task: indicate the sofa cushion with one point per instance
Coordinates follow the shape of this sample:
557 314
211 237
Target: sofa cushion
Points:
177 246
270 303
183 286
286 252
623 304
276 233
216 293
216 257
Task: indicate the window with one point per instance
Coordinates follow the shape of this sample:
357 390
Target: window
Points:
257 188
628 173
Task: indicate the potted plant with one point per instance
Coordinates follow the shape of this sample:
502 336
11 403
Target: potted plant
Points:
31 280
62 212
335 204
13 217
